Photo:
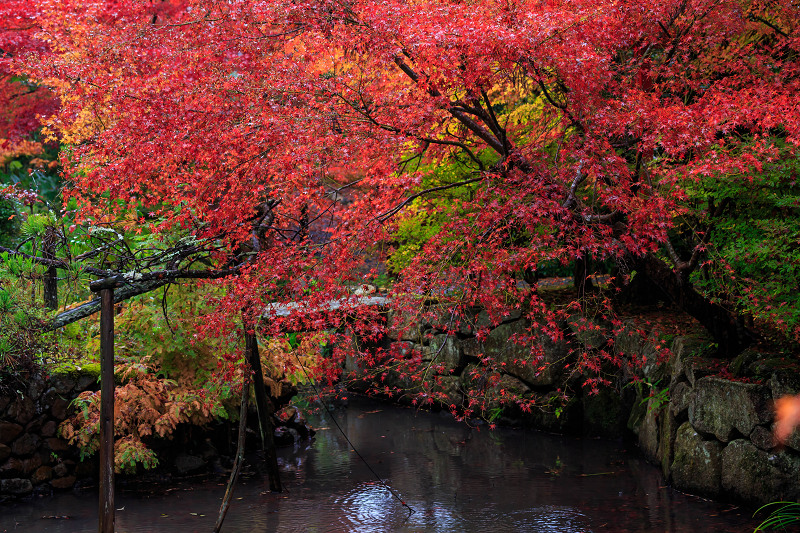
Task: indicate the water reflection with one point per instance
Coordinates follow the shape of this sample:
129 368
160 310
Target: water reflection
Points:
456 478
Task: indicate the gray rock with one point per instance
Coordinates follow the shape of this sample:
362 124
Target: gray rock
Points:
446 351
406 327
603 414
592 334
26 444
85 382
63 383
753 475
16 486
648 434
680 397
637 415
784 384
538 365
719 407
450 387
667 433
185 463
471 347
697 466
36 385
763 438
696 368
9 431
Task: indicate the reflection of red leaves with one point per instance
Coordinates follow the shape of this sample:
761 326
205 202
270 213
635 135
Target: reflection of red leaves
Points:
787 412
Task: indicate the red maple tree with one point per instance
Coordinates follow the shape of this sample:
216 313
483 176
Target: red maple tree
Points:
302 135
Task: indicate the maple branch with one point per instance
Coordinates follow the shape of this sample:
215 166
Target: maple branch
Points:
571 198
57 263
459 114
393 211
393 129
684 267
758 18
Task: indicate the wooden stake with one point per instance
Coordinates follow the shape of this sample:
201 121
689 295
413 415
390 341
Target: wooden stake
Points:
106 524
237 464
265 411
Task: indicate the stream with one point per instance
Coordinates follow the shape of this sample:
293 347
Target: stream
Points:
456 478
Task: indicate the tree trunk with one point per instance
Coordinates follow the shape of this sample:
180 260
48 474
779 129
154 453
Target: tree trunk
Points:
727 329
265 411
51 275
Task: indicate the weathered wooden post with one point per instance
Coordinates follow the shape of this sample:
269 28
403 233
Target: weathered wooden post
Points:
106 510
51 275
265 410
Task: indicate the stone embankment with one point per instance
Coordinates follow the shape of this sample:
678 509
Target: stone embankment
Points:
710 436
33 458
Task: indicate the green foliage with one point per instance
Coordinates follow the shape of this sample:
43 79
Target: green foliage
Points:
783 514
131 452
428 214
167 376
24 345
9 220
754 257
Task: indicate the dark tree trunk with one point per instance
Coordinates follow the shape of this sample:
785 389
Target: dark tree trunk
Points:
51 275
265 411
727 329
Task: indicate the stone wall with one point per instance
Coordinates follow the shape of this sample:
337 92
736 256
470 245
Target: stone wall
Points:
33 458
714 437
710 436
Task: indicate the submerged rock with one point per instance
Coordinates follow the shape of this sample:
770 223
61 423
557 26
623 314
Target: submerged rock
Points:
185 463
697 466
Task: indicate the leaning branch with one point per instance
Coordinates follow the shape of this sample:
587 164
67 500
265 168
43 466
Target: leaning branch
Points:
130 285
393 211
486 136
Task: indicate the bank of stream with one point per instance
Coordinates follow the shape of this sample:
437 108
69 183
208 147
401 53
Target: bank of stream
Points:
455 477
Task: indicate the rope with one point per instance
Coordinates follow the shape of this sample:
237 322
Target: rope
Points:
350 443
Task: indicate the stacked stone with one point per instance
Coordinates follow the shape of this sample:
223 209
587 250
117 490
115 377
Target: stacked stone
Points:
715 436
33 458
710 436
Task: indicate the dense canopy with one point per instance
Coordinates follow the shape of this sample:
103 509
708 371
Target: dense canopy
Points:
472 144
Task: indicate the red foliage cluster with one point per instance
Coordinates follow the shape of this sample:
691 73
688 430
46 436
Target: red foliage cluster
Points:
293 131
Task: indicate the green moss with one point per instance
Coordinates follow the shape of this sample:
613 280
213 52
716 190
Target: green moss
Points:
74 368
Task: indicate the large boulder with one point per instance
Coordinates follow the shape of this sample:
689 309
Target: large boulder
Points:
722 408
16 486
697 466
444 350
518 359
755 476
648 433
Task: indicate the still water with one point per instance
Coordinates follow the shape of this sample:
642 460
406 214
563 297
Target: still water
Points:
455 478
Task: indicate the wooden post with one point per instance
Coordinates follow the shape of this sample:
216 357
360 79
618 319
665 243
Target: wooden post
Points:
50 292
265 411
106 510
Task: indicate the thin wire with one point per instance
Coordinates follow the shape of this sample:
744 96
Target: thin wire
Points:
381 481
